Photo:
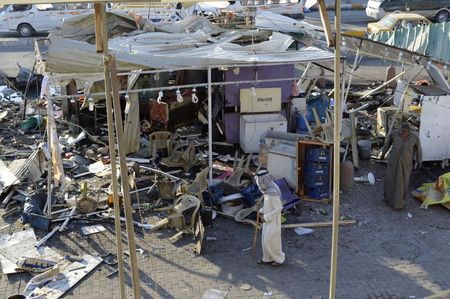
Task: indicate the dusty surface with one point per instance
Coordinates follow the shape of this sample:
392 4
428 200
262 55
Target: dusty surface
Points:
386 255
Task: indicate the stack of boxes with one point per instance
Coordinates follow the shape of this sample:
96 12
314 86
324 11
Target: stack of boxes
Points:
316 172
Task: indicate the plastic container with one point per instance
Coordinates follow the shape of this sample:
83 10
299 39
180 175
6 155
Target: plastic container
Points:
364 149
316 168
317 154
318 192
300 121
314 181
320 103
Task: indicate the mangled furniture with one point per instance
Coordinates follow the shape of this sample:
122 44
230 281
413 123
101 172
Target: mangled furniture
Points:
160 144
184 216
182 159
239 169
198 186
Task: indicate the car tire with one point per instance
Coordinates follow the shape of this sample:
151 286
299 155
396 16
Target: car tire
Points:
442 16
25 30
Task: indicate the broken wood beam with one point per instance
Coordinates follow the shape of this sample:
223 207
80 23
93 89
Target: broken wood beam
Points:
48 236
326 23
115 87
101 37
318 224
381 86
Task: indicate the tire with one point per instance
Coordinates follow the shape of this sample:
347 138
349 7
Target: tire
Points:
442 16
25 30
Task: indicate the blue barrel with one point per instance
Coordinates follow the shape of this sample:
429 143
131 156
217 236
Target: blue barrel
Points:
301 124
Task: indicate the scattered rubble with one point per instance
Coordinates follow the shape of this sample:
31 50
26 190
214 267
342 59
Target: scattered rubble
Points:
178 159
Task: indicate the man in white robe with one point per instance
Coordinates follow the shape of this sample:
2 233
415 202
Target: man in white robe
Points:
270 215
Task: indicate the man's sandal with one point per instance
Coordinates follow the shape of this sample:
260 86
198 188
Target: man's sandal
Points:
261 262
275 264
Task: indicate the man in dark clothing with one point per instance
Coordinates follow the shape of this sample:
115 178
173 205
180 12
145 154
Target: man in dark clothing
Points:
405 147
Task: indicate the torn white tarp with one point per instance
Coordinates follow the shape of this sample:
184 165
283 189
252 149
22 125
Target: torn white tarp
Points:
82 27
158 41
190 24
80 59
276 22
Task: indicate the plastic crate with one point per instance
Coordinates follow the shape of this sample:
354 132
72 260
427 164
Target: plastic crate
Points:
317 154
314 181
318 193
316 168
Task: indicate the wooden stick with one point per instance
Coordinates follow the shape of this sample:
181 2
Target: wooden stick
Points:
48 204
381 86
63 226
48 236
318 224
326 23
336 149
101 33
255 236
124 175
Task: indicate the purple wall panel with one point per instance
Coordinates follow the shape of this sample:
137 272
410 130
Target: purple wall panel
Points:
232 127
247 73
264 72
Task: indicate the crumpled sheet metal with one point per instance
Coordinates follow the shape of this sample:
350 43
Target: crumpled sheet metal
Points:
189 24
70 56
432 40
82 27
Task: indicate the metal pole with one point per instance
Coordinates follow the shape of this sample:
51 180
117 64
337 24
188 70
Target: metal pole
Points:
210 125
100 8
336 148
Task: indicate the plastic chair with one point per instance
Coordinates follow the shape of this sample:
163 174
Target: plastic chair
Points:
234 180
198 186
183 159
182 216
158 141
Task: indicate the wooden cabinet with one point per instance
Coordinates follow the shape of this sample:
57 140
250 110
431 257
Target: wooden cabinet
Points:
302 148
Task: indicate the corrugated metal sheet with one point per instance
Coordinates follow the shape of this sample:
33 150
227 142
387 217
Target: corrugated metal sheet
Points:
432 40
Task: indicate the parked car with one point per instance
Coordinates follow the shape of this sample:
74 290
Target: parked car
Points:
28 19
438 10
397 21
392 21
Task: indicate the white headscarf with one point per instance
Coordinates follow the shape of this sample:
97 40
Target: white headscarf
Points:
266 184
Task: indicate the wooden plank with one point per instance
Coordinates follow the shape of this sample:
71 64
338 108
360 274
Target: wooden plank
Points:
326 23
98 27
318 224
132 124
336 151
112 150
124 174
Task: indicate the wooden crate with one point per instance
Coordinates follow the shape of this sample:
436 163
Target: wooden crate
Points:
302 145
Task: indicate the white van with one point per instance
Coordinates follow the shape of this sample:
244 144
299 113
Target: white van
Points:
28 19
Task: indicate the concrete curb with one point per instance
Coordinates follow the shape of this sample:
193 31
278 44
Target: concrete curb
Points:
17 42
354 6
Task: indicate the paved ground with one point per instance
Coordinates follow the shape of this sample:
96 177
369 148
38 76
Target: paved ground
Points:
386 255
